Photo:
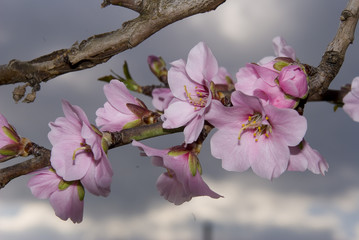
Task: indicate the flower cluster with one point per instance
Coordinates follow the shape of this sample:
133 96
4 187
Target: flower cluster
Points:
261 130
257 124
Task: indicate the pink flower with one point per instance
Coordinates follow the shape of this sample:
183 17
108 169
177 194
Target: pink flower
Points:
351 101
254 135
293 81
304 157
178 184
116 114
261 82
66 198
190 85
161 98
9 140
77 152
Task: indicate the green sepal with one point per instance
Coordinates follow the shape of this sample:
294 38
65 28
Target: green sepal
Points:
175 153
132 124
81 191
106 78
192 163
10 132
7 152
10 149
64 185
280 65
199 167
139 111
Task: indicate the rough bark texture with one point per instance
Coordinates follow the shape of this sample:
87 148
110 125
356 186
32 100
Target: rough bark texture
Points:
333 57
154 15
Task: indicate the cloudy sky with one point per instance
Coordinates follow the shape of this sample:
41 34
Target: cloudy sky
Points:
294 206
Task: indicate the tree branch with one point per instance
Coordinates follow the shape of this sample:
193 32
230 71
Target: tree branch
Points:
42 155
333 58
154 15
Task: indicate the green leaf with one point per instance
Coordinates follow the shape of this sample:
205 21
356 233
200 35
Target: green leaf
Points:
64 185
280 65
10 132
81 191
192 163
175 153
132 124
107 78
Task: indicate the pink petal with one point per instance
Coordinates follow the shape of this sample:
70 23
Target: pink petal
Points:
44 183
93 140
287 124
175 118
201 63
193 129
178 80
161 98
62 160
224 145
268 157
281 49
351 101
172 190
118 96
67 204
110 119
74 114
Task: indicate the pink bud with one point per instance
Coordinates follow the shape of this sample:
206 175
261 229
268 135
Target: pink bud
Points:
293 81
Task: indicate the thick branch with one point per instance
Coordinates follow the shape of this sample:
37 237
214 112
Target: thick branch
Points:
154 15
333 58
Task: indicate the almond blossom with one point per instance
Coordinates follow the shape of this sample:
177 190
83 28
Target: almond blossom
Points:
351 101
120 109
190 85
254 135
183 180
78 151
66 198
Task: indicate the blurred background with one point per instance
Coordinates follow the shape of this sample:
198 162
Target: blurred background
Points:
297 205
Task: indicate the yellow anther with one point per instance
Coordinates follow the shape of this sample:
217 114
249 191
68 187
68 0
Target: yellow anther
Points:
267 118
249 118
267 135
243 125
256 140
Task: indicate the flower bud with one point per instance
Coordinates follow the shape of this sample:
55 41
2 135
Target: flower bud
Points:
157 66
293 81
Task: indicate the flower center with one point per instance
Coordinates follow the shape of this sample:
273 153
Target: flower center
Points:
199 98
257 125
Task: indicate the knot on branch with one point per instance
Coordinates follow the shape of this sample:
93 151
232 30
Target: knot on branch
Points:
345 15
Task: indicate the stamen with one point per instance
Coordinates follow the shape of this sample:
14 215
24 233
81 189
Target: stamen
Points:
77 149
